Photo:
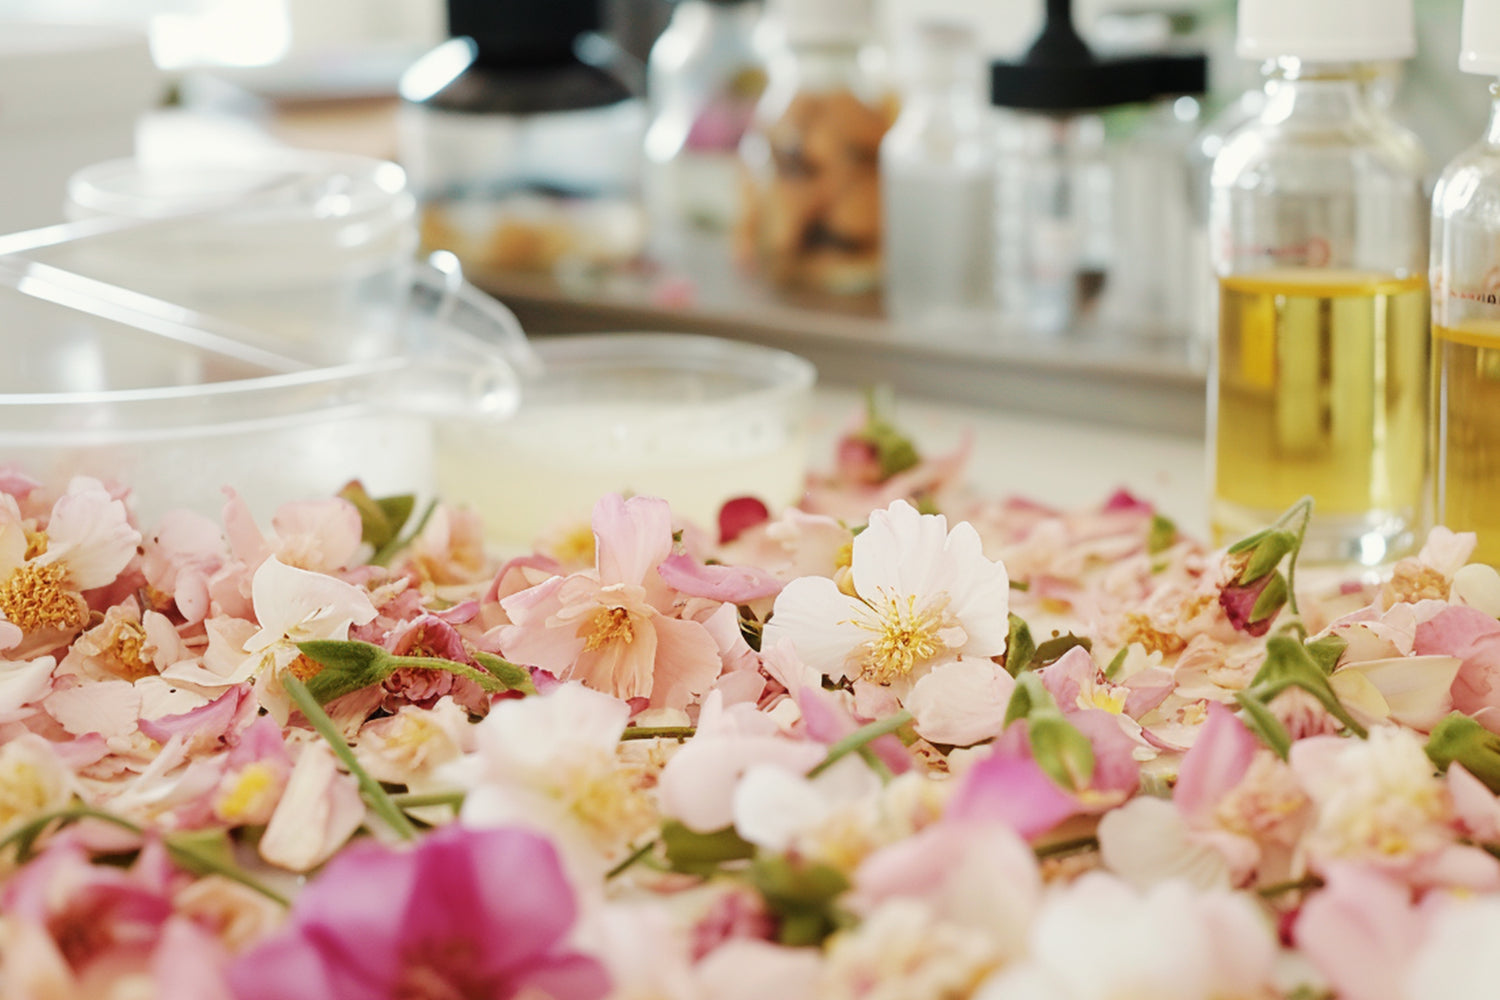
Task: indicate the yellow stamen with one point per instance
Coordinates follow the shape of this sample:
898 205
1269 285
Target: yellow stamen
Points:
36 544
904 637
608 625
303 668
246 797
575 546
1139 628
128 654
35 598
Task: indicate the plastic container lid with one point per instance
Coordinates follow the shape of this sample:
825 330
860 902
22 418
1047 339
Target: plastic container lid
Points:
826 22
1479 52
1327 30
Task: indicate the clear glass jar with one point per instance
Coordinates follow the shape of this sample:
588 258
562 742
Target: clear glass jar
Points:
1319 239
1466 341
703 80
937 182
811 213
1054 218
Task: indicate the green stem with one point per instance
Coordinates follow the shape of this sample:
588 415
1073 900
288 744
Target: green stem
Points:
1065 847
636 855
25 835
420 800
1302 510
877 765
486 680
658 733
375 797
1295 885
861 737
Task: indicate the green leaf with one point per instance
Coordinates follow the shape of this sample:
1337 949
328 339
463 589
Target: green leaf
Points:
1022 700
1326 651
513 676
1019 646
1271 599
894 451
348 666
380 520
801 893
1259 720
1163 535
1249 541
702 853
201 852
1459 739
1117 662
1290 664
1053 649
1061 750
1267 555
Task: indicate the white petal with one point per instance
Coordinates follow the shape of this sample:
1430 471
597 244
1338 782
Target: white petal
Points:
820 622
90 531
1478 586
300 605
23 684
961 703
772 806
1146 841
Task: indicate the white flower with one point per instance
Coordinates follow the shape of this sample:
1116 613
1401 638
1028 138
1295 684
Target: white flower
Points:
549 763
1458 956
923 596
33 780
903 952
1098 939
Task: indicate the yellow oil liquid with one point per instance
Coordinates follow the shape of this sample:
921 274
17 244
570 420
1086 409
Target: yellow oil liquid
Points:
1322 391
1466 431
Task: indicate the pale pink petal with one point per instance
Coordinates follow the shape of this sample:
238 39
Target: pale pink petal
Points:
211 720
320 535
734 584
189 963
1361 932
1477 586
246 542
686 664
1146 841
1011 790
319 810
23 684
110 708
1475 805
901 552
1217 763
1416 689
744 969
961 703
90 532
631 537
1069 677
1446 550
1474 637
626 668
697 785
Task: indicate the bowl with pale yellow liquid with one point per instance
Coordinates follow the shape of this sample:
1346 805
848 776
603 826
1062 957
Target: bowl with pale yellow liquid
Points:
696 420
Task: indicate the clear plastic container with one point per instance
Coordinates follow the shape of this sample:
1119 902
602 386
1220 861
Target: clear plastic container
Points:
313 250
703 80
696 420
106 388
1318 227
937 180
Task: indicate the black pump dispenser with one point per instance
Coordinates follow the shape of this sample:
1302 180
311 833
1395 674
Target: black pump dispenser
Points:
1060 74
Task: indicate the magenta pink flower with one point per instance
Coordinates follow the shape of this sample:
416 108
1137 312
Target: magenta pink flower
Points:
466 913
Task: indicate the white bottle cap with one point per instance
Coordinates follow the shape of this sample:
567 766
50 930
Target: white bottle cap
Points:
826 22
1327 30
1479 51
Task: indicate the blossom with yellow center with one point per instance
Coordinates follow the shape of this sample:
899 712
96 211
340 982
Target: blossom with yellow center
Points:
36 597
904 636
250 796
32 780
608 625
916 596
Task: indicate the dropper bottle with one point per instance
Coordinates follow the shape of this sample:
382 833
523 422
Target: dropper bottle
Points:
1318 231
1466 312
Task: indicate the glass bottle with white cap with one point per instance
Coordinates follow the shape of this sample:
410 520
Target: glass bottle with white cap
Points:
1318 232
936 176
811 218
1466 312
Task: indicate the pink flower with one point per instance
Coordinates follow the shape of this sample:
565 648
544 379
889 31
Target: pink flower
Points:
1361 931
611 627
464 913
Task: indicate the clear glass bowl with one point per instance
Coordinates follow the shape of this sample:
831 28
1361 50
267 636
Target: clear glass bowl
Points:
696 420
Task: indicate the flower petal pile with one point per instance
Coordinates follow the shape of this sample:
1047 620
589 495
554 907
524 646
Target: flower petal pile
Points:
900 742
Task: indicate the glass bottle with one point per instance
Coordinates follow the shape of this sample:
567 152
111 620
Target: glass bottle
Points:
937 185
1466 314
703 79
1319 239
811 213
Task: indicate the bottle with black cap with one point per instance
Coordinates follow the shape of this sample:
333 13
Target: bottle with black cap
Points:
1054 226
525 154
1318 230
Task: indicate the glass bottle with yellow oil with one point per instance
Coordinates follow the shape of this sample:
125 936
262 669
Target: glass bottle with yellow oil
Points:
1466 313
1318 229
